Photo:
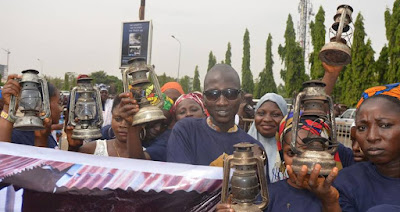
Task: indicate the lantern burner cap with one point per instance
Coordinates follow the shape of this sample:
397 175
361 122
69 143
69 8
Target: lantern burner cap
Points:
31 71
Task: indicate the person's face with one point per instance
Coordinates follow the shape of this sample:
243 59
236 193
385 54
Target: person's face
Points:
104 95
188 108
357 152
267 119
222 110
154 129
55 108
119 126
173 94
378 130
288 154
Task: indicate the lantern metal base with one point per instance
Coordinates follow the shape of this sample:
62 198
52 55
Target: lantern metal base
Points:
246 207
335 54
310 158
29 123
86 134
148 114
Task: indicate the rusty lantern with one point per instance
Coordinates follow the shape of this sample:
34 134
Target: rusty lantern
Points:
316 105
247 180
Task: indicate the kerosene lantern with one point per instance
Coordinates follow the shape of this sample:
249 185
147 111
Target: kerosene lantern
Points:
135 80
247 180
337 52
85 110
32 101
317 106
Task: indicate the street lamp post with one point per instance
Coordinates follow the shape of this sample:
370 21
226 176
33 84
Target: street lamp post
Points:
8 59
179 62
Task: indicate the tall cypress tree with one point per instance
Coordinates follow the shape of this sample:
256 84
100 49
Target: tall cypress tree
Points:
357 77
392 23
228 55
318 41
381 66
267 83
247 76
292 57
212 60
196 79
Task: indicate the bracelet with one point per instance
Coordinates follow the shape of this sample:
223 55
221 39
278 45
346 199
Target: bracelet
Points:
5 116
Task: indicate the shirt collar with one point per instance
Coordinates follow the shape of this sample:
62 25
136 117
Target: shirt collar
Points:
216 128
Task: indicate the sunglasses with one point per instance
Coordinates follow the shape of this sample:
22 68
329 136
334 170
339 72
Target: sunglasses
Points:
230 94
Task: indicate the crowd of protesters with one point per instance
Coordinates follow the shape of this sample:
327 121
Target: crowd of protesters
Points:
200 129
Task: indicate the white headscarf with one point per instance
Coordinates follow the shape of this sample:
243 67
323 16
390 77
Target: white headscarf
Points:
274 159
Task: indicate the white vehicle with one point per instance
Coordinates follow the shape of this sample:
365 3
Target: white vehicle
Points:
344 121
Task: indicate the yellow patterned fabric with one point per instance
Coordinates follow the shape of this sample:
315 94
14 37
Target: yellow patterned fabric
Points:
216 128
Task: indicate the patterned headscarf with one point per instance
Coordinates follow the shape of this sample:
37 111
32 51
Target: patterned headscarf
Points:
316 127
195 96
388 90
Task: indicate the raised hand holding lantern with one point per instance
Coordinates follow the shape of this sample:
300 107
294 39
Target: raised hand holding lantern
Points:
316 149
337 52
32 101
135 80
247 180
85 110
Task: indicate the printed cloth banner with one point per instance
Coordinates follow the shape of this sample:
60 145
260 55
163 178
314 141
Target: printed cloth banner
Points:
59 180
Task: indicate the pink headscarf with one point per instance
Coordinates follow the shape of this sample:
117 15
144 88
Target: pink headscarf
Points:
195 96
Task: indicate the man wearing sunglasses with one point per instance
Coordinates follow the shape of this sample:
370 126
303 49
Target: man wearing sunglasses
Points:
207 141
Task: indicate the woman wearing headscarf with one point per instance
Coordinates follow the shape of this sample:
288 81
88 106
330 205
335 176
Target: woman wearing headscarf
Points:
270 111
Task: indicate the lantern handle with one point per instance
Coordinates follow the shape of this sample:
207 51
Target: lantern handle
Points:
296 116
125 81
263 184
100 119
225 181
341 24
333 128
156 84
71 120
12 108
46 98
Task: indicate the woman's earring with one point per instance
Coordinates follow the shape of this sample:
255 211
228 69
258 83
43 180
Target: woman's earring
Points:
142 134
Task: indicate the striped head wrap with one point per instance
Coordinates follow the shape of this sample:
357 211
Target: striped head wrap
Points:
195 96
316 127
388 90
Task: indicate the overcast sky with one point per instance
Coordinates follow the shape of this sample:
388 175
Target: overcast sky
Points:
85 36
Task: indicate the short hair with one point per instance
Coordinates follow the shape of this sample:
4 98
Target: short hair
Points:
222 68
116 102
51 89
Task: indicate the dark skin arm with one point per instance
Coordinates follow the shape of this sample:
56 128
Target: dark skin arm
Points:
127 109
330 77
320 186
11 87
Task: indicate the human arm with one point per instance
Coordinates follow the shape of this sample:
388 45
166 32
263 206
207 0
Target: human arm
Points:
320 186
330 76
127 108
11 87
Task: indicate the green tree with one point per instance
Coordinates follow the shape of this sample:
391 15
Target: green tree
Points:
267 83
186 83
66 82
292 57
212 60
318 41
196 79
359 74
162 79
392 23
281 90
228 55
247 76
381 66
113 81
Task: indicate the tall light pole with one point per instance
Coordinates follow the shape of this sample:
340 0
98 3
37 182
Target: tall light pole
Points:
179 61
41 65
8 59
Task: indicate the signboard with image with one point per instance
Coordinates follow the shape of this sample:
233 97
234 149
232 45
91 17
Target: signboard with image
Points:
136 41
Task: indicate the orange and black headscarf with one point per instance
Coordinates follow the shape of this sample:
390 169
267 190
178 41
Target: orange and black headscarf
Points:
388 90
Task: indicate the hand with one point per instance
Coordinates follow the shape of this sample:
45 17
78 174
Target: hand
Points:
73 144
225 207
11 87
41 136
320 186
127 108
332 69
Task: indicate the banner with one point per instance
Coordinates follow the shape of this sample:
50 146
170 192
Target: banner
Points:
136 41
59 180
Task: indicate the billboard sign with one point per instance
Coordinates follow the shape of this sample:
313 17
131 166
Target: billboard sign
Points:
136 41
